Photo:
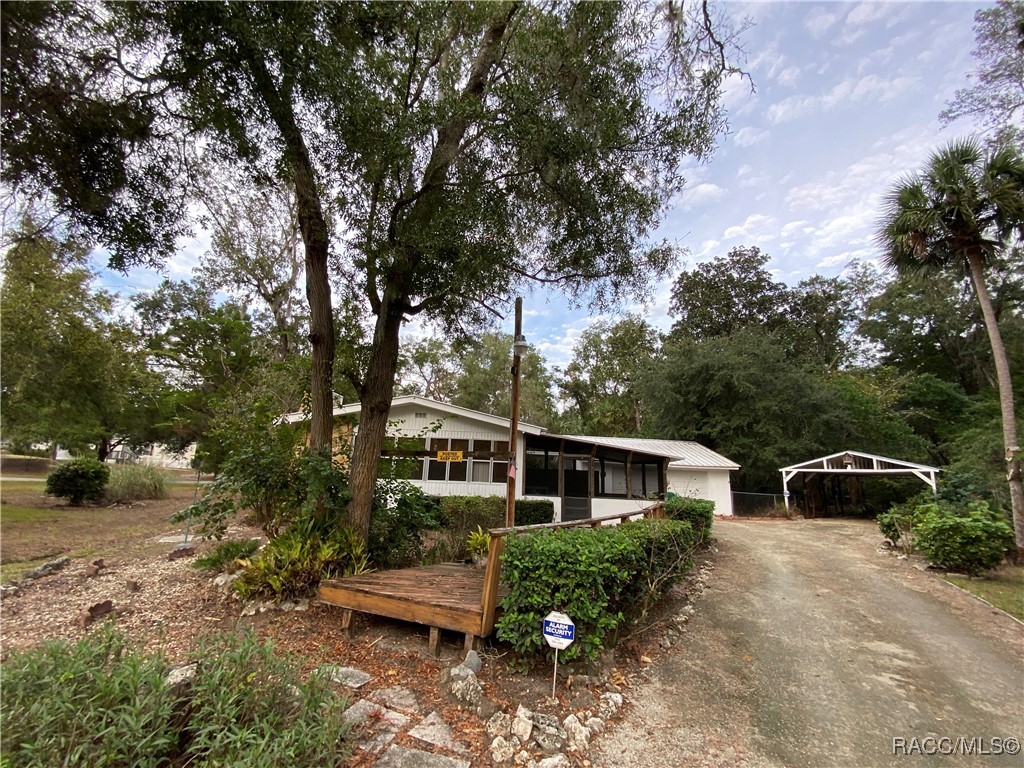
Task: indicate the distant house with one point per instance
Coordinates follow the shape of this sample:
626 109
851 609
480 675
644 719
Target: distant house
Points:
584 476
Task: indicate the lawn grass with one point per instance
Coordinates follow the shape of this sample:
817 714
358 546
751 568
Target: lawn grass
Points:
1004 588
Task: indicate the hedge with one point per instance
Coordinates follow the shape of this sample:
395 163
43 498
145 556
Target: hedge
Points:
699 513
603 578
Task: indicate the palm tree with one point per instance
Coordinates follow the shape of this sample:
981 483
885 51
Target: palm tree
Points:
962 210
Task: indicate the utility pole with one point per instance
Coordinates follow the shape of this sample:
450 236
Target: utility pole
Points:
518 349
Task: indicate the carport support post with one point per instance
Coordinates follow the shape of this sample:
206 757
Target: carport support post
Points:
785 488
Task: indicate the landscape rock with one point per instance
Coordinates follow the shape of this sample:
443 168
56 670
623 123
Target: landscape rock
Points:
9 590
350 677
396 697
99 563
611 703
88 615
133 585
224 581
522 726
502 749
467 690
180 679
548 734
45 569
595 724
186 550
403 757
500 724
578 734
91 571
434 730
473 662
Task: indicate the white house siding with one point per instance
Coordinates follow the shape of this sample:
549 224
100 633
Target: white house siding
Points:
418 420
712 484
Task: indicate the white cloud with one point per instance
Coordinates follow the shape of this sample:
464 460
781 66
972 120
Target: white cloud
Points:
860 90
819 21
757 228
700 194
788 76
748 137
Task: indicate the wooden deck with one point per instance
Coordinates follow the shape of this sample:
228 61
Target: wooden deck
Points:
446 596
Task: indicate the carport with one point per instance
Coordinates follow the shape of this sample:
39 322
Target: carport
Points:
856 464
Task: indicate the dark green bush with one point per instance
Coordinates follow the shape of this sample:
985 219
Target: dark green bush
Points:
534 511
294 562
897 525
970 540
667 548
699 513
79 480
582 572
225 556
100 701
402 514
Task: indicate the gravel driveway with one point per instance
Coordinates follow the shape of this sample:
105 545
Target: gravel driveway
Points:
811 648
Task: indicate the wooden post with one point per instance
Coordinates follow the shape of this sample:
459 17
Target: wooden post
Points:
433 645
492 576
513 440
629 475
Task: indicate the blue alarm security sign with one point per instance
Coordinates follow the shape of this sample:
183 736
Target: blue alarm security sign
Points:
559 631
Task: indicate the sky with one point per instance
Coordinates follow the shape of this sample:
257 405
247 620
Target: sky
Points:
846 100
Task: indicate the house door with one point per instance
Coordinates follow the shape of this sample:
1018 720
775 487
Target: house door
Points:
576 499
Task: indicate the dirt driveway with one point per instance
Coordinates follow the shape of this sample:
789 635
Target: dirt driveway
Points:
809 648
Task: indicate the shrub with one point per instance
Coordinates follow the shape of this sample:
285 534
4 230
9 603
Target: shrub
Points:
401 516
582 572
667 548
293 564
534 511
699 513
897 525
100 701
460 516
225 556
136 482
971 540
78 480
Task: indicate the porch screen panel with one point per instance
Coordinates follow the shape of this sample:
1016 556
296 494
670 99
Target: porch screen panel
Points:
437 470
499 469
457 469
481 472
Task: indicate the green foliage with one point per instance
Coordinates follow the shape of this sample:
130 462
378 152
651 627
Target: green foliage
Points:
478 543
136 482
402 514
971 540
101 701
293 564
460 516
534 511
897 524
96 702
601 383
584 573
78 480
699 513
667 548
225 556
605 579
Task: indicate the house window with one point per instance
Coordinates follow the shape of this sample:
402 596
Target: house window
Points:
647 479
453 471
482 467
541 478
499 469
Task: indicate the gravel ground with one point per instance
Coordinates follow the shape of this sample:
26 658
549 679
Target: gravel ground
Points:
810 647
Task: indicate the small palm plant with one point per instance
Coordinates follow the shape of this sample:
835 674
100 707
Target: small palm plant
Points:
479 544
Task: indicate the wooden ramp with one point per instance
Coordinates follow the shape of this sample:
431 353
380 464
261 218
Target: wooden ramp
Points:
445 596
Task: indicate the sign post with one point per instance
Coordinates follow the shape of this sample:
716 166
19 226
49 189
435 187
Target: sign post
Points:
559 632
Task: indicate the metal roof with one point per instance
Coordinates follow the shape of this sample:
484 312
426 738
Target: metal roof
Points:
854 462
684 453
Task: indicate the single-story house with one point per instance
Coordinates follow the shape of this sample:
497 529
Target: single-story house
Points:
584 476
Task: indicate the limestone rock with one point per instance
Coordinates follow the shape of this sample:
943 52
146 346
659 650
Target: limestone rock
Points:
88 615
132 585
611 703
522 726
578 734
499 725
396 697
548 734
9 590
595 724
467 690
502 749
473 662
348 676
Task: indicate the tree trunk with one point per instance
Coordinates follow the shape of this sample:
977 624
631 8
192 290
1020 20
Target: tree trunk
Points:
375 405
1013 475
103 449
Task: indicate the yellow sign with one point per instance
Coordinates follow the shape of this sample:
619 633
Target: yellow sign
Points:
449 455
